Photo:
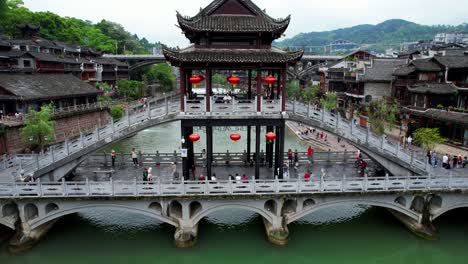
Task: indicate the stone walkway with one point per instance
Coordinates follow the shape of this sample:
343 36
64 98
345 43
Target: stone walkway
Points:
316 142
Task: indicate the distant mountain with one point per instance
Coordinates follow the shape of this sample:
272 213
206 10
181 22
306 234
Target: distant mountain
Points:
393 31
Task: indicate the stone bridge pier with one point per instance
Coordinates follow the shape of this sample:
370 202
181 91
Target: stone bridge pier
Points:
192 212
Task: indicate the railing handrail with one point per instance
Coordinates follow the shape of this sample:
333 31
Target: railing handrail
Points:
161 187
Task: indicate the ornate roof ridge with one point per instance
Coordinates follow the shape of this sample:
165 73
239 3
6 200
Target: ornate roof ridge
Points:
208 10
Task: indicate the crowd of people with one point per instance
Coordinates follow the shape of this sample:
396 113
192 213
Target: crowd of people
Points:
448 161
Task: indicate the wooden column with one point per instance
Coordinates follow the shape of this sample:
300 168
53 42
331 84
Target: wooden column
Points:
209 76
209 151
271 148
277 150
280 141
249 92
182 89
189 84
259 90
185 163
278 83
249 142
257 152
190 149
283 94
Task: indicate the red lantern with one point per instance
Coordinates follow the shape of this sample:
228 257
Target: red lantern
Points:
235 137
270 136
194 137
196 79
234 80
270 80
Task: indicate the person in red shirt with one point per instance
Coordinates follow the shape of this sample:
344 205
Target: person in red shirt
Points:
363 167
307 176
310 152
244 179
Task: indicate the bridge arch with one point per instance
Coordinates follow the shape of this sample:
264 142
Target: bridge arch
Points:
150 212
6 223
444 210
142 64
313 208
211 209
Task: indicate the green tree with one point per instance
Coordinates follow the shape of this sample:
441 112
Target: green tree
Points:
330 101
382 115
162 74
102 36
38 127
104 87
220 80
293 90
428 138
129 89
117 112
311 94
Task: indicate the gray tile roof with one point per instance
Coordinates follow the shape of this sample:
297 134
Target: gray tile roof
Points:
382 70
205 21
442 115
44 86
12 54
404 70
273 55
453 62
433 88
109 61
52 58
426 65
232 24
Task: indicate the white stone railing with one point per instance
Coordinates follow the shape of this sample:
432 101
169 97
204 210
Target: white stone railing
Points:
111 131
359 135
241 187
242 107
218 158
271 106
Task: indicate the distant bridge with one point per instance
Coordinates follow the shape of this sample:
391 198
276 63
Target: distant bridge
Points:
137 61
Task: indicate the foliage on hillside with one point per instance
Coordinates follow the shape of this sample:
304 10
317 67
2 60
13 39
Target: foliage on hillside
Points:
105 36
393 31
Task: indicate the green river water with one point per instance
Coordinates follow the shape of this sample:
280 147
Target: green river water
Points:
345 234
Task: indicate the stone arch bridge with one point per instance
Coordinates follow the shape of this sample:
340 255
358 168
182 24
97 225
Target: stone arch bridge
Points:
32 208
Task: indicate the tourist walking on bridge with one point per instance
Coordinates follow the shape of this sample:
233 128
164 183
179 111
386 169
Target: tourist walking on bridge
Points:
290 157
134 158
445 162
434 159
145 174
310 153
113 156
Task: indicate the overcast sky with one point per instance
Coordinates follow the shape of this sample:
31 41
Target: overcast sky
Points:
155 19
